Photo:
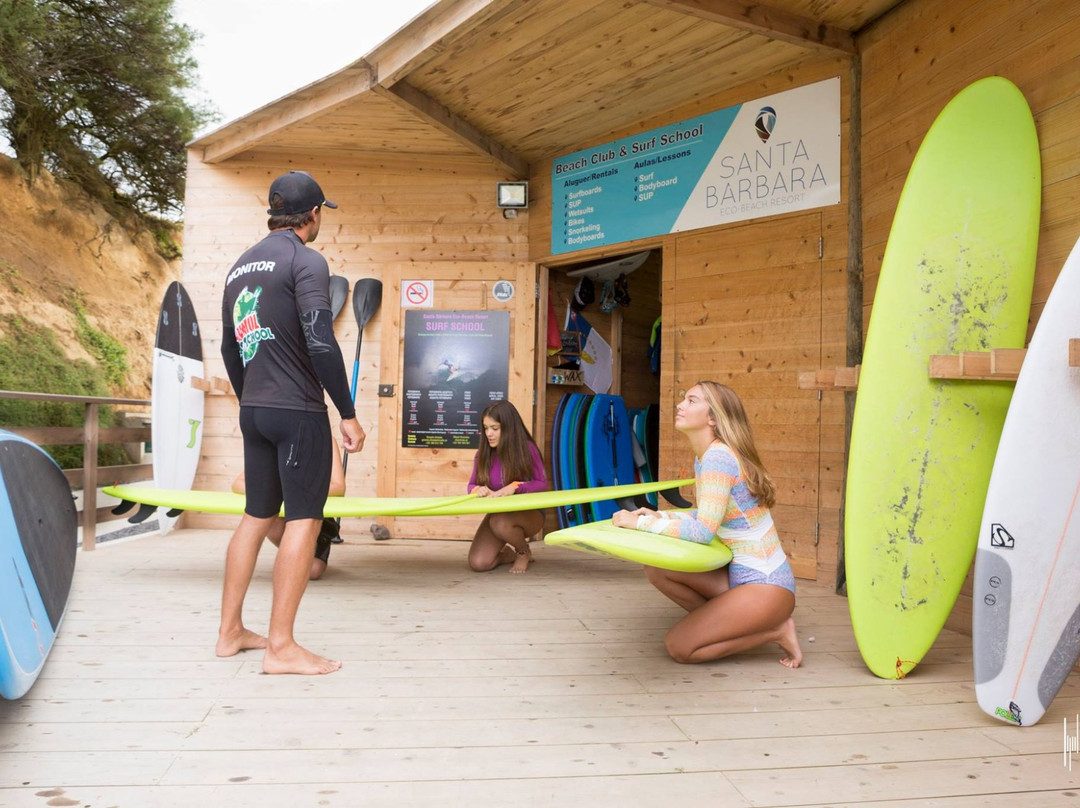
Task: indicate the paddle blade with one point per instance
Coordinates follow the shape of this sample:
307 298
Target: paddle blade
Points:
673 496
367 296
339 290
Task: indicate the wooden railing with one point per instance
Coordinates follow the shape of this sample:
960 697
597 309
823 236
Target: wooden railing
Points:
90 435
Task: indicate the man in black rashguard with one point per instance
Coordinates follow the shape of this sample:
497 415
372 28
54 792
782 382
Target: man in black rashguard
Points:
280 353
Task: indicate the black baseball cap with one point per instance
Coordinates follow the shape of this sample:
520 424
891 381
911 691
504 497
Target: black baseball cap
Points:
295 192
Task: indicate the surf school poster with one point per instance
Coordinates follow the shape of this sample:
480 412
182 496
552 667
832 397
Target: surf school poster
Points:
773 155
456 363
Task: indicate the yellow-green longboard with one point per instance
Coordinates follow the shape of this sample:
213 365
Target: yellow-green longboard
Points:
550 499
956 276
666 552
226 502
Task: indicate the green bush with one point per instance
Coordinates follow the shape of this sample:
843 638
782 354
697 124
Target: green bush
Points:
32 360
110 354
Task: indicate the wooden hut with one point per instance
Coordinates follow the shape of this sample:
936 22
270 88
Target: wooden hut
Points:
412 139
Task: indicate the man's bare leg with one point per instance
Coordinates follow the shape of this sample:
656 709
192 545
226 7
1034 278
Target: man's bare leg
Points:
240 560
291 569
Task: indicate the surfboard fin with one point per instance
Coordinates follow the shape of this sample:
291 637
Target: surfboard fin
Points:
174 512
145 512
123 506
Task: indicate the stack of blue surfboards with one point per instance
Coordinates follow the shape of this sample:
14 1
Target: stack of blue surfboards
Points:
592 445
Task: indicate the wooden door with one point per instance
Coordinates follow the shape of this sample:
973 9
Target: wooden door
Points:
747 312
411 471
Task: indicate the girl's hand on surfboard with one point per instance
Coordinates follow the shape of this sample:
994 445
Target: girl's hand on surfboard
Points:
629 518
481 491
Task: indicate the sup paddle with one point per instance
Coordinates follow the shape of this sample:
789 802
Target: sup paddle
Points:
367 297
339 290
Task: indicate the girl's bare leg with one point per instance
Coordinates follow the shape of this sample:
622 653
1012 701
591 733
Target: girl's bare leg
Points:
691 590
503 538
486 550
737 620
515 529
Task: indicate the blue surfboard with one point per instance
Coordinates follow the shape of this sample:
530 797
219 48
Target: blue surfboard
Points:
609 458
571 449
555 457
38 537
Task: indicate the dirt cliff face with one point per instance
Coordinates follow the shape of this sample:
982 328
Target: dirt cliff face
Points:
56 245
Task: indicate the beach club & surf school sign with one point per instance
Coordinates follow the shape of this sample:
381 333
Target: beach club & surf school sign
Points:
777 154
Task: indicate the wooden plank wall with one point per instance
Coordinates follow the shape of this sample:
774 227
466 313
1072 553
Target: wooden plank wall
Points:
914 61
393 210
424 471
801 471
751 312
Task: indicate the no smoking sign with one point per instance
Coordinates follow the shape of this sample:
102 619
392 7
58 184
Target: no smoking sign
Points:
417 294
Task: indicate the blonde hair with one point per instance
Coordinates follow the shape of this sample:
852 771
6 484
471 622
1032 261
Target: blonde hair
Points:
732 427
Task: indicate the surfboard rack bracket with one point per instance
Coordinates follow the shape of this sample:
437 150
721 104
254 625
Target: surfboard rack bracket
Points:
997 365
215 384
845 378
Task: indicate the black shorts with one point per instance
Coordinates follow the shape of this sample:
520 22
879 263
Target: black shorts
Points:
287 456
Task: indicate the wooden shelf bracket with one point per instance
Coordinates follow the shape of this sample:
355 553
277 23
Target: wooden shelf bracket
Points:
844 378
215 384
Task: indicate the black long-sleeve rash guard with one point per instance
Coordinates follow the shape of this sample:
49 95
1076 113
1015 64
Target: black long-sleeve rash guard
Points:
326 357
277 329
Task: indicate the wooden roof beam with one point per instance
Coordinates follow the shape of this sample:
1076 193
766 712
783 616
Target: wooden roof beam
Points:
429 34
331 93
432 112
766 21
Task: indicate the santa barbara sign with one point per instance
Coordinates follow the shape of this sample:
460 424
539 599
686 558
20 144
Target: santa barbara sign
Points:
776 154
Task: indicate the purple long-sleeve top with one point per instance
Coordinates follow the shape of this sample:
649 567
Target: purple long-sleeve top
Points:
537 483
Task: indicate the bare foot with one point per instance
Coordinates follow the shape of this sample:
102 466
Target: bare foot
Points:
296 659
244 640
521 562
507 555
790 643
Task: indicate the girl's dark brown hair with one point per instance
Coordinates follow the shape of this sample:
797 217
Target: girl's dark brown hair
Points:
515 459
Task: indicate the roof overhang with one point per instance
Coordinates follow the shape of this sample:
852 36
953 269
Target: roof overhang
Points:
515 82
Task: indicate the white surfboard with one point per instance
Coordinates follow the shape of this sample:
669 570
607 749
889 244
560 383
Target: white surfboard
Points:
176 420
1026 603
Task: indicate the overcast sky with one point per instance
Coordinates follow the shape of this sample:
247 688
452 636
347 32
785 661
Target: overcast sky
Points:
253 52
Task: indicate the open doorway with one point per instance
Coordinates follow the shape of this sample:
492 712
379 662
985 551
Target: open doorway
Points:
618 298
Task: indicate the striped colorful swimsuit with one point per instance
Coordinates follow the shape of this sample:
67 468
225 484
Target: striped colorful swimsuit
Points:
728 510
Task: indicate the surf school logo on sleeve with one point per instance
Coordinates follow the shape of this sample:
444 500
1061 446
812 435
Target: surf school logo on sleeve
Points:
249 333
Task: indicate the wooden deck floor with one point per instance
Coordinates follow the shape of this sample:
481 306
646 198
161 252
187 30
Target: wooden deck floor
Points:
464 689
